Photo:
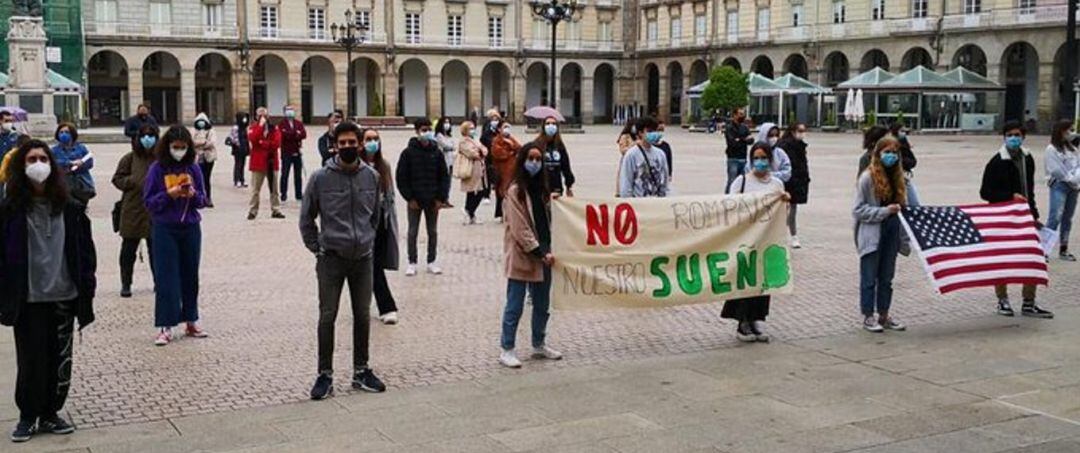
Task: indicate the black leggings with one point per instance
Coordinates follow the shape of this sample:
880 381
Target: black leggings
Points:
207 168
128 251
239 170
472 201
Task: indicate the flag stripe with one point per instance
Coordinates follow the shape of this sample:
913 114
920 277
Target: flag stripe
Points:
995 208
1006 225
1017 219
976 215
1021 237
980 268
976 251
997 274
992 282
962 262
998 232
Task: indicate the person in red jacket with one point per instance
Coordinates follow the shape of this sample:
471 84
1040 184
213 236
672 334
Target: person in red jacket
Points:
292 139
264 140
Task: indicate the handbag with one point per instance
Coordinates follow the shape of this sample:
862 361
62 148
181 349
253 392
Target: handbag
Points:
463 166
117 208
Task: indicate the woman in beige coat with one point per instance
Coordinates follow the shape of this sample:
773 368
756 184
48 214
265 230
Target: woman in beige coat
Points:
205 151
527 247
471 153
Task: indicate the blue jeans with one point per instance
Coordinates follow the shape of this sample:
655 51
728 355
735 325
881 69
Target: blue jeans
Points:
735 167
876 270
515 304
912 193
176 251
296 163
1062 209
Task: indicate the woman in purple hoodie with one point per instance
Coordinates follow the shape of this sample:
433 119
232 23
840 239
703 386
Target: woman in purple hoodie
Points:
174 193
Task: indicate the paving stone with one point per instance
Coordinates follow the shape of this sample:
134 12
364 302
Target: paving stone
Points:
822 440
940 420
578 431
1057 446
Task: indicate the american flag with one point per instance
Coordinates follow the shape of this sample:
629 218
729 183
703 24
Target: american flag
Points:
977 245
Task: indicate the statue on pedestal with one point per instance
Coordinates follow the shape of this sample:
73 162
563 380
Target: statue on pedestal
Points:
30 8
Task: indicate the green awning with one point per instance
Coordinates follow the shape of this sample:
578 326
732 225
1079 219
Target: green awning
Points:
696 90
3 80
918 78
968 80
61 84
761 85
869 79
793 84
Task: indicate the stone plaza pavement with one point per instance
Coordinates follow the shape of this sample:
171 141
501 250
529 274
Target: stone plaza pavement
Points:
961 379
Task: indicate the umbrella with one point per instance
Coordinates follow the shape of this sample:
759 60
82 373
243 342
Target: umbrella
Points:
849 106
860 108
541 112
17 112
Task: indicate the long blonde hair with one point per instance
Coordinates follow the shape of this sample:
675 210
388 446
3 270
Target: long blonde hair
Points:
886 181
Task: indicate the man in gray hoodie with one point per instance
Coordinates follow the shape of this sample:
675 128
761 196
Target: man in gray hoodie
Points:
343 196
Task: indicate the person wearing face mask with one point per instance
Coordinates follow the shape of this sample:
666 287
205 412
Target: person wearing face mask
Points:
326 140
386 256
445 138
471 156
142 117
343 197
421 178
49 268
129 178
490 129
793 142
503 156
1062 161
556 160
174 193
292 141
750 312
644 166
907 160
665 147
737 136
527 252
781 164
264 139
1010 175
870 138
880 195
205 152
9 137
241 148
75 162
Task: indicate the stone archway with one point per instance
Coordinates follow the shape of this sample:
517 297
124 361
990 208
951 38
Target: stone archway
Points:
796 64
316 88
107 87
763 66
875 58
699 72
364 96
732 62
1020 75
161 86
270 84
603 93
495 87
972 58
675 92
455 89
413 89
536 85
652 90
837 69
1064 102
570 92
213 88
916 56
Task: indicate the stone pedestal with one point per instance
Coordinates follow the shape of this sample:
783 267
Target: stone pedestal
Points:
28 87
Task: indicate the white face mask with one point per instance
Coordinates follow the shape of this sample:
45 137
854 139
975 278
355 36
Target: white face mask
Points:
773 140
38 172
178 153
6 127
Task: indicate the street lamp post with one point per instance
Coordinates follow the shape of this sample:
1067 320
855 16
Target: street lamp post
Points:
554 11
349 35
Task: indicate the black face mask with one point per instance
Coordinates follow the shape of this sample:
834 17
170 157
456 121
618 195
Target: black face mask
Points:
142 115
349 155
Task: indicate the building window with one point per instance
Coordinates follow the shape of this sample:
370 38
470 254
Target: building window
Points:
212 16
363 23
160 13
676 30
652 31
541 31
605 32
732 26
495 31
268 22
919 8
412 28
701 26
763 18
316 19
796 15
877 10
839 12
573 33
1027 6
972 6
105 11
453 30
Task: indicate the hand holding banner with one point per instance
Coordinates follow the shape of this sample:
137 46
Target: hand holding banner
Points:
659 252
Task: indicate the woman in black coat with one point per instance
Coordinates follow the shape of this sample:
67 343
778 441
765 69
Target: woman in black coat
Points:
793 142
47 279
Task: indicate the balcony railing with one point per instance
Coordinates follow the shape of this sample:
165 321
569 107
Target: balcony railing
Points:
304 35
1003 18
576 45
457 42
143 29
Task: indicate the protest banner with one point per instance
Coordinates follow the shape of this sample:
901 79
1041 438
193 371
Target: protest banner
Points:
660 252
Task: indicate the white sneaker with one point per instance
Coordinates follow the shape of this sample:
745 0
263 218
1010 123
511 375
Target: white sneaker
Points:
486 201
509 359
545 352
758 328
163 337
434 269
410 270
795 244
389 318
466 219
477 221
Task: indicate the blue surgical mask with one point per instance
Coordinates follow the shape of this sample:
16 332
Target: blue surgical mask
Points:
761 165
290 114
64 137
551 129
533 167
889 159
372 147
429 136
148 141
1014 142
653 137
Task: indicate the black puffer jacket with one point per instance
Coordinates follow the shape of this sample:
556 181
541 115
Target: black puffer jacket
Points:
799 184
1001 180
421 173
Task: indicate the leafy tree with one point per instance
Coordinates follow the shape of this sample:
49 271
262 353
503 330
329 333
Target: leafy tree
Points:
728 89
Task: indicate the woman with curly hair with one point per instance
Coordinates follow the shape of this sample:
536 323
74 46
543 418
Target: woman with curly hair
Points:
880 194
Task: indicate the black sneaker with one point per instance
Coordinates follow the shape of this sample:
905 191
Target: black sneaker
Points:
251 216
55 425
366 381
277 215
1004 308
1033 311
125 291
324 387
23 431
744 334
